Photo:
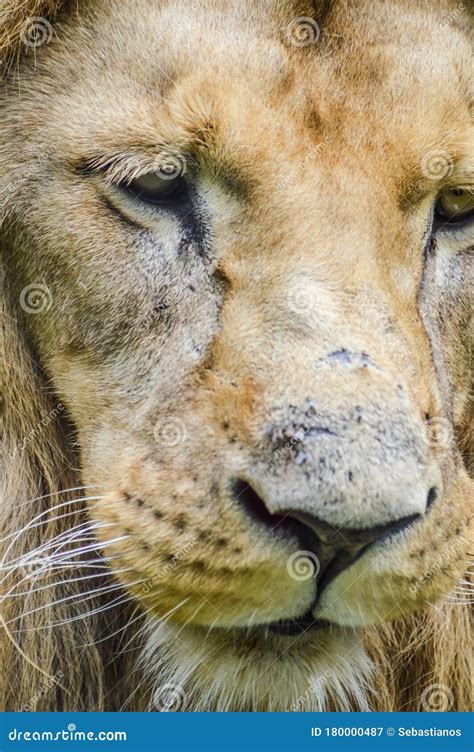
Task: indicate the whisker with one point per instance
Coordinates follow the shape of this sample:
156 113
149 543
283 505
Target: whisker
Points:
119 601
30 526
146 678
58 541
185 624
109 636
75 596
55 493
94 576
163 619
30 560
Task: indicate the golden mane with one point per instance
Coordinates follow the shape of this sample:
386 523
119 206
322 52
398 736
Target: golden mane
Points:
13 15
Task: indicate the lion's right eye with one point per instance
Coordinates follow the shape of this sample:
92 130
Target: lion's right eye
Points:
157 188
455 205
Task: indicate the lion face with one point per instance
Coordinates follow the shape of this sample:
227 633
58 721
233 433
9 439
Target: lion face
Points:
255 259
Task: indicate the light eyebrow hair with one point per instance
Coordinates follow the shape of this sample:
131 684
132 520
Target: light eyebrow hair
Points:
123 167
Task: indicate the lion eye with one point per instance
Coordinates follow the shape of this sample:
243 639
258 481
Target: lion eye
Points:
455 205
157 188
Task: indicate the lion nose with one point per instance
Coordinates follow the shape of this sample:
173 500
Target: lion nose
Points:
335 548
358 467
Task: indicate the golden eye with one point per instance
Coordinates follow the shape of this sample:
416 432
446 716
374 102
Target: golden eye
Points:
154 188
455 205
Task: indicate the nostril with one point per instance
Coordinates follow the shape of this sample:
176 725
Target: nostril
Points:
252 503
255 508
433 494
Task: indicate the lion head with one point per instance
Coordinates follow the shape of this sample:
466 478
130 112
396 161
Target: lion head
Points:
237 263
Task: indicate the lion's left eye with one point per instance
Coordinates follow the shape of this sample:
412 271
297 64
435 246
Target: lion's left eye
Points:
455 205
155 188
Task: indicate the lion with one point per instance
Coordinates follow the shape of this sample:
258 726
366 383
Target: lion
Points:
237 334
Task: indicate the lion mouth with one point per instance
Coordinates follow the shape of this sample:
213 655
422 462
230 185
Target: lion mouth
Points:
294 627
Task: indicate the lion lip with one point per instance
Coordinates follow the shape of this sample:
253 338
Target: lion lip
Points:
293 627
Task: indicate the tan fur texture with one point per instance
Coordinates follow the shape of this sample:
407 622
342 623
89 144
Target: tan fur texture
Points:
187 391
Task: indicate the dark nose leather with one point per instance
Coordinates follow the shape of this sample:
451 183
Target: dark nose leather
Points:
338 548
335 548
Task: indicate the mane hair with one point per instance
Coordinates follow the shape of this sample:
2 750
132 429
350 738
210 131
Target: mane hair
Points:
13 16
44 643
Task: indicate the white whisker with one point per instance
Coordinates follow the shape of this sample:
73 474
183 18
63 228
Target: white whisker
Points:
55 493
81 596
59 541
45 561
109 636
59 583
30 526
119 601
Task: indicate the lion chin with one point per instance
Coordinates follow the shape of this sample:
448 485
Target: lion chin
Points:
236 246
